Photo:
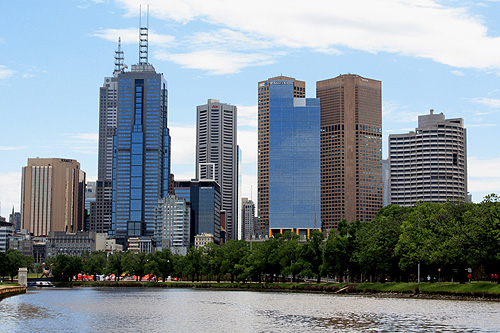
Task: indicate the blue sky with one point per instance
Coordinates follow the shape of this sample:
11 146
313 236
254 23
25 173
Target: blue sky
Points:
428 54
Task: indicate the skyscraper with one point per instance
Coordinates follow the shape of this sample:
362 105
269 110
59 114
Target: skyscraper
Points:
52 196
289 158
351 149
141 148
217 156
248 218
299 88
173 221
101 210
430 163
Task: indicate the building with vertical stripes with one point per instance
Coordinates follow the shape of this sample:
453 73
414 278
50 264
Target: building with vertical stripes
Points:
351 149
52 196
217 156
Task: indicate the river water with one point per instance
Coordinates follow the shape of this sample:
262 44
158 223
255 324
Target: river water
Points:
189 310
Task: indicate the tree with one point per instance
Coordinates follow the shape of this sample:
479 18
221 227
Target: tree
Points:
135 264
16 260
66 267
95 263
312 255
288 254
160 263
194 263
4 264
214 256
234 257
115 265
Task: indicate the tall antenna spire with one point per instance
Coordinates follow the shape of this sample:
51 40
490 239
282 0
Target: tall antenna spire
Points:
119 58
143 39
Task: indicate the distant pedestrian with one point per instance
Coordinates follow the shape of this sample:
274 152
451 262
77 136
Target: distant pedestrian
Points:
469 276
492 277
428 278
496 278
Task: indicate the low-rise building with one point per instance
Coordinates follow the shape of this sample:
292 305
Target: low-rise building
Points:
203 239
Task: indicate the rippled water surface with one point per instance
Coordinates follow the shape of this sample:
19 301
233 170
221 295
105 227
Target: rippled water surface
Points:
186 310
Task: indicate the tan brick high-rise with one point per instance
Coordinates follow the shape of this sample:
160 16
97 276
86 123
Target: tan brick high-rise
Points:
351 149
52 197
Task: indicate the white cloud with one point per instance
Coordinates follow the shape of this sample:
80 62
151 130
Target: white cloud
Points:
249 189
425 29
216 61
247 140
457 73
490 102
5 73
12 148
131 36
483 175
184 144
10 193
247 116
84 137
399 113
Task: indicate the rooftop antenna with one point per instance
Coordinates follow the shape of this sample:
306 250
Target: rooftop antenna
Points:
119 58
143 39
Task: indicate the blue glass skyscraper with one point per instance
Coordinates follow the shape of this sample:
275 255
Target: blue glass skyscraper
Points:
141 150
294 157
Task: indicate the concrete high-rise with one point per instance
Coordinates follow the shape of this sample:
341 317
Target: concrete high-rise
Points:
100 216
289 158
52 196
173 221
351 149
248 218
217 156
430 163
141 148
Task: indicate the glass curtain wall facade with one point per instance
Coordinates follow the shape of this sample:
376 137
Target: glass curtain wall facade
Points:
141 160
294 160
299 91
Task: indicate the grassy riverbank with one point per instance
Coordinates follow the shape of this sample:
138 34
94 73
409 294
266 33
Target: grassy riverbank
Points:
445 289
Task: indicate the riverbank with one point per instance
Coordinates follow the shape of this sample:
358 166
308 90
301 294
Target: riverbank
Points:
444 290
7 291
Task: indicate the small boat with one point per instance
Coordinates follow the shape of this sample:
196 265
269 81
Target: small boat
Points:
44 284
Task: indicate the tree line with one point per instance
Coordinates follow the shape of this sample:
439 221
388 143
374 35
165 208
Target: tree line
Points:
446 240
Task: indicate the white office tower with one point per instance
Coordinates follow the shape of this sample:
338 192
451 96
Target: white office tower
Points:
172 224
216 156
429 164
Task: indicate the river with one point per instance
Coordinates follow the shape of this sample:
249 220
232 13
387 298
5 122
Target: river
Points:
189 310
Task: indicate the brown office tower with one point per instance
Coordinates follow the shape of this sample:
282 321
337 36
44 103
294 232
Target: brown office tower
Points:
53 196
299 91
351 149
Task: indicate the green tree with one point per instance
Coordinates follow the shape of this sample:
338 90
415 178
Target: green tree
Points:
194 263
4 264
160 263
95 263
115 265
16 260
312 255
214 255
288 254
135 264
234 258
66 267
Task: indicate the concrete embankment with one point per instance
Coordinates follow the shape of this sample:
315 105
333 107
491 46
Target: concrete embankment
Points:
6 291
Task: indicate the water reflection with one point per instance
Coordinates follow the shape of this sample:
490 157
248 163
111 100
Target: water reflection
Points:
183 310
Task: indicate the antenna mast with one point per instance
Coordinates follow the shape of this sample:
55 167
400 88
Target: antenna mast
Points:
119 57
143 39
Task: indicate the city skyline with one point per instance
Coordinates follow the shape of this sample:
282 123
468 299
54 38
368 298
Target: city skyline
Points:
440 55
